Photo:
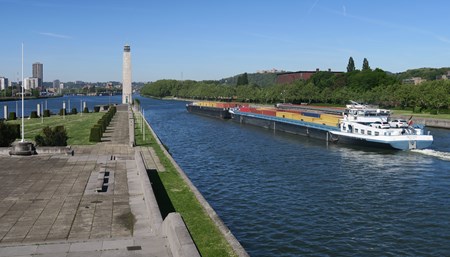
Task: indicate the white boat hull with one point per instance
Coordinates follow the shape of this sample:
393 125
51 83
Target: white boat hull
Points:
401 142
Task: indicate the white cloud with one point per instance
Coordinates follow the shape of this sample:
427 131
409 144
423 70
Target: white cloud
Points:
49 34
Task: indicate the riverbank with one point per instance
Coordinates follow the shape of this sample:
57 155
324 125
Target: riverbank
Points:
175 191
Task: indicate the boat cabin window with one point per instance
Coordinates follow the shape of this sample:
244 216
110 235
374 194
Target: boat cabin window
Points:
369 132
356 130
362 131
377 133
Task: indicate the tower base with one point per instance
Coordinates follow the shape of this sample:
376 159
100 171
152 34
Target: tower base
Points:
22 149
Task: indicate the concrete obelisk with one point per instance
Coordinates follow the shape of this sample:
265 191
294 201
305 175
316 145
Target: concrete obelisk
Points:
126 76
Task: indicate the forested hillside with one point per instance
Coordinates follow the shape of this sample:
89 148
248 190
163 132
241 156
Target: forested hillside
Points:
368 86
425 73
259 79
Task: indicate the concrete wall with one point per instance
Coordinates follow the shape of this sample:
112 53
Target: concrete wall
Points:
180 241
150 199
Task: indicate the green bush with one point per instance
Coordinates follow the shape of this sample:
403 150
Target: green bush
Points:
434 112
62 112
86 110
74 110
46 113
8 133
12 116
96 108
96 134
417 109
52 137
34 115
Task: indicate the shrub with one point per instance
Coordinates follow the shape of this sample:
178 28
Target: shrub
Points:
46 113
34 115
85 110
417 109
96 134
434 112
8 133
52 137
12 116
96 108
62 112
74 110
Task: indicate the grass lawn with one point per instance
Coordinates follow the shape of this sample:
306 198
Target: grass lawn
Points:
174 195
422 115
78 126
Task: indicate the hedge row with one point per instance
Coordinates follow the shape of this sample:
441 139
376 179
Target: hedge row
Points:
8 133
99 128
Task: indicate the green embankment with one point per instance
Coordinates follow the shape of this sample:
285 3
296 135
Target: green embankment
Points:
173 194
78 126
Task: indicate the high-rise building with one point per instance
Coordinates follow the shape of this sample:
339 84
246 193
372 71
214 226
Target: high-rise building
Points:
38 72
126 76
56 83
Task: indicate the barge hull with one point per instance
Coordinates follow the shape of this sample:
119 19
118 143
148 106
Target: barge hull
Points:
221 113
275 125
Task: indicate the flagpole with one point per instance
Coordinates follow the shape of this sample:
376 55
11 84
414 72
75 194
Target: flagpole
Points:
23 133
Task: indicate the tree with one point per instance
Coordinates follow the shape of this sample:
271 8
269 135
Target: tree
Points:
242 79
351 65
365 65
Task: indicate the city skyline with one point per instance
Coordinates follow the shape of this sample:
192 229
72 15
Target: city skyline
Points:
203 40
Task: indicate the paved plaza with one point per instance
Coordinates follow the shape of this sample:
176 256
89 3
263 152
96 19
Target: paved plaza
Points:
78 205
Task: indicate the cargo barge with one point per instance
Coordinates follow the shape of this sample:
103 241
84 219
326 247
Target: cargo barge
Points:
309 124
358 125
212 109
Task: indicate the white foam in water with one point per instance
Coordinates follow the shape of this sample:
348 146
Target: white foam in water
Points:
438 154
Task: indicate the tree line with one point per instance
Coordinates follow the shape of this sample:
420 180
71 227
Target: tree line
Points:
365 85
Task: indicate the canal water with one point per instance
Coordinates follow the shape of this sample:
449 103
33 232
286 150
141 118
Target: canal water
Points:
286 195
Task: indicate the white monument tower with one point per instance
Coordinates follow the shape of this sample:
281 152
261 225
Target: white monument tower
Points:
126 76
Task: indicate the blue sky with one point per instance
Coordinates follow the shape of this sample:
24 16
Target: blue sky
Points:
198 39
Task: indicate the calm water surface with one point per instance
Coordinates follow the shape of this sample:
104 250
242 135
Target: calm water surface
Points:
285 195
55 104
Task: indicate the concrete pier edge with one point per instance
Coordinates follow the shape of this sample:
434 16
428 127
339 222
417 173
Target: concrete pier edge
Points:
231 239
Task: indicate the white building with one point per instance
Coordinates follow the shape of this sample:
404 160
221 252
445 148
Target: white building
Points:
3 83
31 83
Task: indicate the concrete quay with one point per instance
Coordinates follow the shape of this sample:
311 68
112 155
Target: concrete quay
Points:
85 204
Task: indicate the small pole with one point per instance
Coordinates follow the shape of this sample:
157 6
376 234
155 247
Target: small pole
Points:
81 107
42 112
64 110
143 133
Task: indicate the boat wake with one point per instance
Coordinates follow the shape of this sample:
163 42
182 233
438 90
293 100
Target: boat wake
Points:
441 155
